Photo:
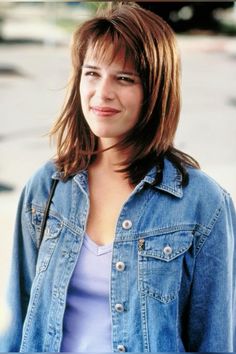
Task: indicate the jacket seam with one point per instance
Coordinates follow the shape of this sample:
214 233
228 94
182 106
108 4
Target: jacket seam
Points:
211 225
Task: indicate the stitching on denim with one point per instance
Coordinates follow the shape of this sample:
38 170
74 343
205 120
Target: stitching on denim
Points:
144 322
166 258
165 299
30 228
128 236
59 303
28 217
202 239
28 319
216 214
40 208
143 309
76 187
43 265
112 304
177 323
211 225
138 216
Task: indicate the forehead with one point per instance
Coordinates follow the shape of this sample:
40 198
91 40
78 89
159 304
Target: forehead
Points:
108 55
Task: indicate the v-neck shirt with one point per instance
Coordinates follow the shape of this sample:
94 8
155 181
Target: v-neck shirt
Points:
87 319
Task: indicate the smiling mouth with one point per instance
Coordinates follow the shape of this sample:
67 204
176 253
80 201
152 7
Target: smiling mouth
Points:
104 111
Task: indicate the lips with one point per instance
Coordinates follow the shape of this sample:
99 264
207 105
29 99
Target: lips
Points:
104 111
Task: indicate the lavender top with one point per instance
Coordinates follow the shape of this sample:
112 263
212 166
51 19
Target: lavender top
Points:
87 320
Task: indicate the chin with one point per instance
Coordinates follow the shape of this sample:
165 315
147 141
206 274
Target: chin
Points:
108 139
106 135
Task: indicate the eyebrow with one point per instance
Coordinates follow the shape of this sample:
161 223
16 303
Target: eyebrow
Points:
117 72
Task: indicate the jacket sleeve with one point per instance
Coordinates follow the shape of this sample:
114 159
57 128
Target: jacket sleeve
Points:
212 306
22 272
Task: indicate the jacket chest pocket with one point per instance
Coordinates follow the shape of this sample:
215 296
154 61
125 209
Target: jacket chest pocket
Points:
161 263
50 238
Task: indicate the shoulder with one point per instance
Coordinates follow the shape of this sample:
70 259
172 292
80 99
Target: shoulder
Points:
44 174
200 187
206 197
39 183
202 201
203 186
47 170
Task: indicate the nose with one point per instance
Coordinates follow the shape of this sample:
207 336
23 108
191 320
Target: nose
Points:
105 89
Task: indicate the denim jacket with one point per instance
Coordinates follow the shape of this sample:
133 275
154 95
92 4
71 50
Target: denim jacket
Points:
177 282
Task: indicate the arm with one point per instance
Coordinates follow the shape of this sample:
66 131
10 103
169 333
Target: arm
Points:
212 306
22 273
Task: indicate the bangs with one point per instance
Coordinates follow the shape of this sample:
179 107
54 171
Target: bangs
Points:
107 44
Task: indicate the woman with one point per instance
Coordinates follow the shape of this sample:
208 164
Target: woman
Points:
138 247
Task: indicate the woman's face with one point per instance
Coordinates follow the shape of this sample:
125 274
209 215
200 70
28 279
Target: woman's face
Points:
111 96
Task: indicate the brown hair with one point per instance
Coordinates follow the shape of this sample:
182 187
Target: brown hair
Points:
150 42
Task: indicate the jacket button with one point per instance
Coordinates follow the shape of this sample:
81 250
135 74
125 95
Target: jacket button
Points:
167 250
121 348
120 266
127 224
119 307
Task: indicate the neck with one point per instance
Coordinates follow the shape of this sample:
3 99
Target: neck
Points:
108 162
112 157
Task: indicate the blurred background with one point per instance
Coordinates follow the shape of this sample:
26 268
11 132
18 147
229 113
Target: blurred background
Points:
34 70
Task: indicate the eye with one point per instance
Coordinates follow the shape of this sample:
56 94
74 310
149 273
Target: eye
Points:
126 79
91 73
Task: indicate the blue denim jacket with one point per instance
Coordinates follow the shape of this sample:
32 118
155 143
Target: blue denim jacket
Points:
178 248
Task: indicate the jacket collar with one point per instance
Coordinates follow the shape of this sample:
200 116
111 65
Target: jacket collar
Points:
171 181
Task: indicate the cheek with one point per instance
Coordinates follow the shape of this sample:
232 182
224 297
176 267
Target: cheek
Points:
85 105
83 99
85 89
136 101
140 96
82 90
138 105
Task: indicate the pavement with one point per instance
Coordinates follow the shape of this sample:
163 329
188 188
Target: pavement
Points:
32 89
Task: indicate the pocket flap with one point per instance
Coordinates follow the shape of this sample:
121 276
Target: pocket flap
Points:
53 227
167 247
